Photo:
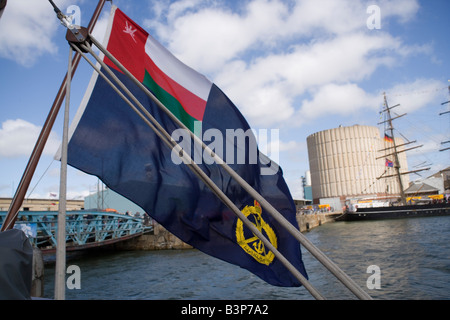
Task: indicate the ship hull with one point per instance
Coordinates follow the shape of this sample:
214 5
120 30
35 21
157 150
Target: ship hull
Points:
398 212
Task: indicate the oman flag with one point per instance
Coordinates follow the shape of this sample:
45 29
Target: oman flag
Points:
109 140
181 89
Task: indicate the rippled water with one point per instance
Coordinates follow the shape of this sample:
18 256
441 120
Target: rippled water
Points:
413 256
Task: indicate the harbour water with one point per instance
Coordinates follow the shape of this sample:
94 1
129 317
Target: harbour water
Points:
412 255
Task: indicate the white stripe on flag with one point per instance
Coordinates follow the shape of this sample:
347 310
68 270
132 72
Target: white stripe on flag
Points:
185 76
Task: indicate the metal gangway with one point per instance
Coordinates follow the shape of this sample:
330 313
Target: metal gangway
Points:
84 229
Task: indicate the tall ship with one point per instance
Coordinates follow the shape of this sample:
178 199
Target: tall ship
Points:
405 206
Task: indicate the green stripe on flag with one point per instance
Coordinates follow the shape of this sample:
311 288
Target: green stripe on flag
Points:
170 102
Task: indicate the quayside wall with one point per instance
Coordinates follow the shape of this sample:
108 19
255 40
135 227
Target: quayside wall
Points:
161 239
306 222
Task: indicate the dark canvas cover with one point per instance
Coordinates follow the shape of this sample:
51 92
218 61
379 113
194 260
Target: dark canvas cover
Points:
16 265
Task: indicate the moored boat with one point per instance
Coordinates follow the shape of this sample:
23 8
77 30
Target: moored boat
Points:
404 206
397 212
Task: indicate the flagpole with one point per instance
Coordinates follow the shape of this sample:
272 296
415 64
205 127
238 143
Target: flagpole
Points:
25 181
166 138
320 256
60 267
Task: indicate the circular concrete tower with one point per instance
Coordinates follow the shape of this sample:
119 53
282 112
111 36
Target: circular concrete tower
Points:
348 162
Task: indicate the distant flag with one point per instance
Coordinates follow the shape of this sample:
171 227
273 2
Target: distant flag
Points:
389 163
53 194
110 141
388 138
2 6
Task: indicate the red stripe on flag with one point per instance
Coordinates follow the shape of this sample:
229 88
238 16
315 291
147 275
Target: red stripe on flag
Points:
127 43
191 103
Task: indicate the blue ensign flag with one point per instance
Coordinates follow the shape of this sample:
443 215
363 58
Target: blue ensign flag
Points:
110 141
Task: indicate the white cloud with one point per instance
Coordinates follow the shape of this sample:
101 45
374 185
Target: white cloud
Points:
289 146
208 37
77 195
346 99
274 82
27 28
415 95
100 27
271 146
18 137
269 55
333 99
432 144
405 10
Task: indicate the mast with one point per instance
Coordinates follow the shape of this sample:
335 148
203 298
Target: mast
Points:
442 113
61 231
395 151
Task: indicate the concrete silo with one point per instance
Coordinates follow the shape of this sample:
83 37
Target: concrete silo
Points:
346 162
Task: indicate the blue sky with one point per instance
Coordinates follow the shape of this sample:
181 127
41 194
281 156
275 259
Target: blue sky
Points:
297 66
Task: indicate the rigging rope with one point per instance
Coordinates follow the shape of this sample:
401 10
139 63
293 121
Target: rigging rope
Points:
32 190
416 92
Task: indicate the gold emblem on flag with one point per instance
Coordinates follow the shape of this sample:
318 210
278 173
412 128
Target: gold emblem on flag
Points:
253 245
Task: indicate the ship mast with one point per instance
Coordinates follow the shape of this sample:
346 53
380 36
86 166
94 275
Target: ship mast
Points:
442 113
395 151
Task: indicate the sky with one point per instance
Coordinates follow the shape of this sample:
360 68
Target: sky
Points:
296 67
